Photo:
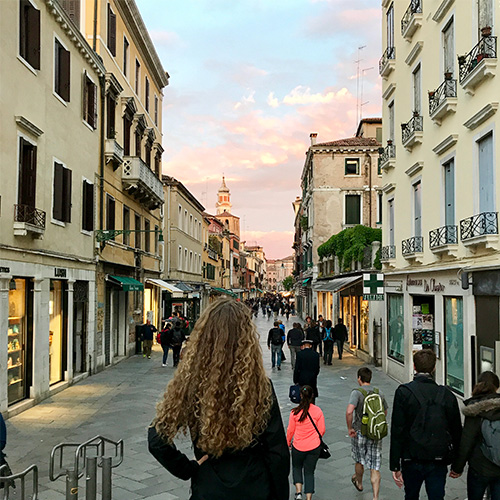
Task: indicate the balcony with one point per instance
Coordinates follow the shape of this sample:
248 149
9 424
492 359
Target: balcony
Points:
479 64
413 248
481 229
141 183
443 100
113 153
412 132
412 19
387 156
444 240
388 253
28 220
387 62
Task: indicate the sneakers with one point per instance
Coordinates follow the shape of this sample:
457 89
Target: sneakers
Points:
149 357
279 367
143 355
298 496
163 364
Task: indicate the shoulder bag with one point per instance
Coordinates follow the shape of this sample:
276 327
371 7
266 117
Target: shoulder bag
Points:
324 450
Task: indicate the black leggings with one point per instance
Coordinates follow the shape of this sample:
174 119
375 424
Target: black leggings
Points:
305 462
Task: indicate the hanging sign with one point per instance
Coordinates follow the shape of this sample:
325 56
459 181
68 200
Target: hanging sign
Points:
373 287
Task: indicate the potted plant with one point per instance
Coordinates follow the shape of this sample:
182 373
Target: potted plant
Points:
461 60
389 142
431 93
448 75
486 31
416 113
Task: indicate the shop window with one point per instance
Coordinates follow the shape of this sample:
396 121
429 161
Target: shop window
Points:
396 328
424 335
56 332
111 31
352 166
454 336
29 33
61 204
61 71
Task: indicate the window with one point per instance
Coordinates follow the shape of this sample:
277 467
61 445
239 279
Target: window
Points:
110 117
191 224
61 200
190 262
396 328
147 236
88 206
127 126
138 142
417 90
27 174
29 33
147 153
126 46
380 201
157 239
454 337
90 101
146 95
72 8
111 31
449 48
391 121
186 263
179 258
110 213
390 26
353 209
486 175
61 71
352 166
137 231
156 110
449 193
186 227
378 134
126 225
485 14
417 209
157 165
137 76
391 221
179 222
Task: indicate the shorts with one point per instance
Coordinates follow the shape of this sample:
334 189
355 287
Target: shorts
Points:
366 451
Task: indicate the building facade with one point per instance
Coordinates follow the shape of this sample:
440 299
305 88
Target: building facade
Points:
440 241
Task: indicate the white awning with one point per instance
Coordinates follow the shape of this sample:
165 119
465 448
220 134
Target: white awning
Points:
176 292
335 285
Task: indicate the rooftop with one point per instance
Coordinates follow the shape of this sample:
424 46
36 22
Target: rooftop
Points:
353 142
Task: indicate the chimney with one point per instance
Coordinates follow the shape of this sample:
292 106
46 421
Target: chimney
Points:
313 138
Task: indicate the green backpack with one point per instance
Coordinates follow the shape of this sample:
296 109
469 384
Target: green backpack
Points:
374 421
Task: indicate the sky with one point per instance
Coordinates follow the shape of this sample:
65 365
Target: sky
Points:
249 81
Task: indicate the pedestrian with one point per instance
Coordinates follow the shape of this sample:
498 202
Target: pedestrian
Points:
283 338
275 344
3 462
147 338
227 404
482 422
166 341
328 342
425 431
307 367
287 312
305 425
366 452
340 336
276 310
176 341
312 333
294 340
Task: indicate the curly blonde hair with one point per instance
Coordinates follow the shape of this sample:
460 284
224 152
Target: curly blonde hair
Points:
220 392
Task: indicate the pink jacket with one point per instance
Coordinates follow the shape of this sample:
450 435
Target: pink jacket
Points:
305 437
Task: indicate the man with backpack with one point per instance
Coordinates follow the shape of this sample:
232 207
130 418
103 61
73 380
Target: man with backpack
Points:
367 426
275 344
177 339
425 431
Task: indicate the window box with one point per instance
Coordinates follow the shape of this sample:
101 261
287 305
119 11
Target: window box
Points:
443 101
412 19
479 64
387 62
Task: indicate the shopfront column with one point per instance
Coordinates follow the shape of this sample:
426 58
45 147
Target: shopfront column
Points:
69 367
4 327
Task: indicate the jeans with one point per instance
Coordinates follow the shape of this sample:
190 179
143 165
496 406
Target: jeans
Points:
165 353
328 350
294 349
340 347
433 474
477 484
276 355
303 466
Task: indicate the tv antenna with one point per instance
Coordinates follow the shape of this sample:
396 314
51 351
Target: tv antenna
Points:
361 100
358 107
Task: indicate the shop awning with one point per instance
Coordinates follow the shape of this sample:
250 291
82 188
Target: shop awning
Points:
335 285
127 284
306 281
259 290
223 290
176 292
184 287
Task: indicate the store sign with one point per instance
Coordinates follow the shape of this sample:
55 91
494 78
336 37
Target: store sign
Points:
60 272
428 285
373 287
4 269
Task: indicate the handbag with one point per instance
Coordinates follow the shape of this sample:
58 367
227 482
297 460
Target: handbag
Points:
294 393
324 451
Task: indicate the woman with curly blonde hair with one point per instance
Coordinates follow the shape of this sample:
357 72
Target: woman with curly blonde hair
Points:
221 395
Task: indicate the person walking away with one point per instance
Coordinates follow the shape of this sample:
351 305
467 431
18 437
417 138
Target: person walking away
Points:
147 338
166 341
480 443
307 367
328 343
178 339
287 312
425 431
276 310
283 338
275 343
366 451
340 336
312 333
269 311
294 340
225 402
305 442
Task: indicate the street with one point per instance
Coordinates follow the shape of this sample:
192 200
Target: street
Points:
119 403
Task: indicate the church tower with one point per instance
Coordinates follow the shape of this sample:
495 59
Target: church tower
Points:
223 198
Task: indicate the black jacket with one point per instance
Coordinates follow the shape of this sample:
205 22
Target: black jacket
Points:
307 369
166 337
295 337
339 332
275 332
313 333
259 472
477 409
405 410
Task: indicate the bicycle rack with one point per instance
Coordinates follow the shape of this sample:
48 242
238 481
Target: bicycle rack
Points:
99 445
7 486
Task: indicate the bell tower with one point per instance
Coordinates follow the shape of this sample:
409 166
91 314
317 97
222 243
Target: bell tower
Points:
223 198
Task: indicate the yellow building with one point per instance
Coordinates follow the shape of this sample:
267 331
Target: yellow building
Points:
440 234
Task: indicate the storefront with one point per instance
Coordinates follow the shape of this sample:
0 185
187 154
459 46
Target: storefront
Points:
58 331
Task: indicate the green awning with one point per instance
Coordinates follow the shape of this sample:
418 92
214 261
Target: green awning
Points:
259 290
306 281
127 284
223 290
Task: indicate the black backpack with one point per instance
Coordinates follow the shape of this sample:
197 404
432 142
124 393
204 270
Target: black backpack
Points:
177 337
276 336
430 437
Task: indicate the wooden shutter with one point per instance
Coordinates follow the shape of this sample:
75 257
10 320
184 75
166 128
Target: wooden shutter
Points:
110 213
111 31
72 8
67 182
138 138
33 37
57 196
27 174
126 136
85 99
94 105
64 73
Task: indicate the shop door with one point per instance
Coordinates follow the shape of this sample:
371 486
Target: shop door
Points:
487 332
107 328
80 319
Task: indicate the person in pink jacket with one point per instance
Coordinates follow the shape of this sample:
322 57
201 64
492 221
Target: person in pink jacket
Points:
305 442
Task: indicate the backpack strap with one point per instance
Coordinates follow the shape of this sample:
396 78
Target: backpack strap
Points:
375 390
362 391
439 398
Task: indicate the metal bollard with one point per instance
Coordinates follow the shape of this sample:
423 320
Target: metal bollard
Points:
91 479
106 478
71 485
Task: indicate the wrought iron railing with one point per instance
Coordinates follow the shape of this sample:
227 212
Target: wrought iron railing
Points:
388 252
416 124
390 53
389 152
29 215
446 235
447 89
479 225
486 48
415 7
412 245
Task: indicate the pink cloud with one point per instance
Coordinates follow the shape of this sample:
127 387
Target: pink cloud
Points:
276 244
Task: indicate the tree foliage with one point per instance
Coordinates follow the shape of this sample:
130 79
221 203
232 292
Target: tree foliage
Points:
288 283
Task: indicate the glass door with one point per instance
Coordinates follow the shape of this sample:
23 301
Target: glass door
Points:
454 334
16 341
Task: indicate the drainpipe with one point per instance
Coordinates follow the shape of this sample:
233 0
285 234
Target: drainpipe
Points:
102 83
94 40
168 231
370 201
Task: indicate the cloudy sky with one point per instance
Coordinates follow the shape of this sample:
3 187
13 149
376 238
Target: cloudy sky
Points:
249 81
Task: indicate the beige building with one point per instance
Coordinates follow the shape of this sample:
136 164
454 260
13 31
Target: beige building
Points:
441 247
49 164
277 271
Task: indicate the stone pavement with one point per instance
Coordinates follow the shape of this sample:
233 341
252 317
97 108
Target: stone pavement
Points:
119 403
